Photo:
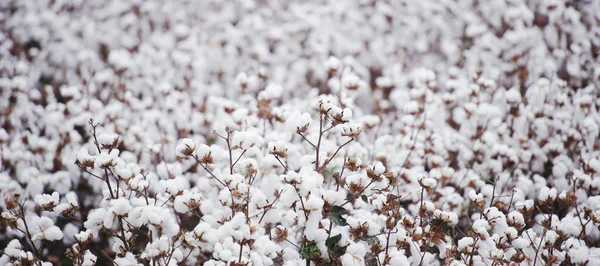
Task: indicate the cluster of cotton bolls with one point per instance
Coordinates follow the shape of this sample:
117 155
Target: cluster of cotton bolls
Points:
284 133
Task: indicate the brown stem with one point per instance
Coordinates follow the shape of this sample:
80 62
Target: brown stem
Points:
309 142
357 195
322 168
319 141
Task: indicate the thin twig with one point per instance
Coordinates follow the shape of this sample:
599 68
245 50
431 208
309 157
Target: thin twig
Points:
322 168
309 142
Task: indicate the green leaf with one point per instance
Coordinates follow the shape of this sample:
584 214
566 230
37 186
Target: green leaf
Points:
67 262
370 239
329 171
364 198
212 141
338 209
330 242
336 213
372 261
310 251
337 251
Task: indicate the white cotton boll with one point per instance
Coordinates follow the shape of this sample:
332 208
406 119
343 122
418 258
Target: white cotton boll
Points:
351 129
570 225
551 237
453 218
481 227
465 244
173 186
272 216
203 150
89 259
516 218
84 236
312 226
107 139
240 114
347 114
84 155
241 79
513 96
428 182
95 219
311 180
46 200
511 232
14 249
297 121
397 258
475 197
378 169
120 58
333 197
333 64
272 91
245 139
577 251
185 147
44 229
278 147
351 81
120 206
543 195
520 243
349 260
3 135
594 164
314 203
411 107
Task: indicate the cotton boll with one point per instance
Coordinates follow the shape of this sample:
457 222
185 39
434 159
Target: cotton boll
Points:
332 64
245 139
428 182
465 244
120 206
481 227
186 147
520 243
272 91
314 203
513 96
47 201
43 228
107 139
298 122
516 218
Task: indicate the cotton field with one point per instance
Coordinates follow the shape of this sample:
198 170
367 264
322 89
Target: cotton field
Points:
257 132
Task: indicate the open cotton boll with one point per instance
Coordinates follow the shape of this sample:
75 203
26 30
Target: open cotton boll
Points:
245 139
186 147
120 206
428 182
107 139
43 228
465 244
513 96
272 91
47 201
516 218
520 243
298 122
481 227
84 155
314 203
333 64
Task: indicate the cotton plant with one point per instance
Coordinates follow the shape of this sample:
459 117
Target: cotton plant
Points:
328 133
